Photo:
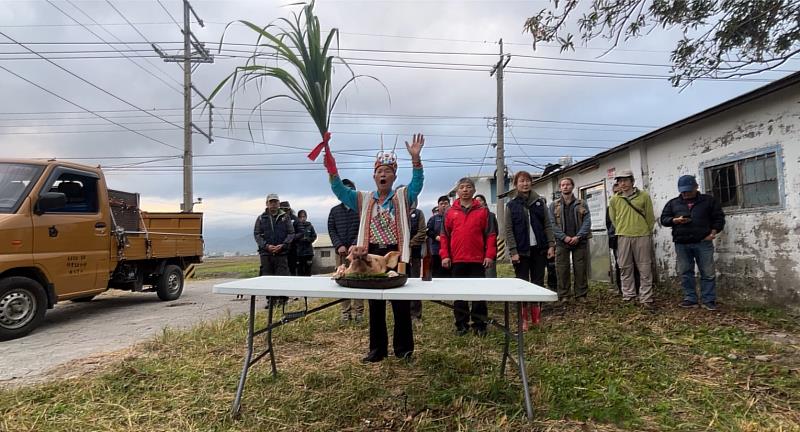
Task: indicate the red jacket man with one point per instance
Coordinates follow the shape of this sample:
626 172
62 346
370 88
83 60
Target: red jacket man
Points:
467 236
468 245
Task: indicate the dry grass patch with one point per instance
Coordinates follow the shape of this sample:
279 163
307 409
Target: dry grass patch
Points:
601 366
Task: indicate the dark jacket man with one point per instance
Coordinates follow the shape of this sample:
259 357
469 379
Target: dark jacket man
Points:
435 224
342 226
273 230
696 219
705 212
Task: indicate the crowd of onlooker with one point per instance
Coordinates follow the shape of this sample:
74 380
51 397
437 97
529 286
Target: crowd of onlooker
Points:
460 240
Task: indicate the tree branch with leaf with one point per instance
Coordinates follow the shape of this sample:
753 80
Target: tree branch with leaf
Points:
721 39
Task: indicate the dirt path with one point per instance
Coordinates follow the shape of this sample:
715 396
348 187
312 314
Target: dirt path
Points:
88 333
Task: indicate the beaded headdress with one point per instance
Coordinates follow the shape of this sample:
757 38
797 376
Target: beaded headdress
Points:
384 158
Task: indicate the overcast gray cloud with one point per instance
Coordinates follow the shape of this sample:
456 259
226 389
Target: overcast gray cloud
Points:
233 175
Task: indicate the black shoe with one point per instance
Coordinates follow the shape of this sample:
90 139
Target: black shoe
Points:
374 356
687 304
408 355
462 331
480 331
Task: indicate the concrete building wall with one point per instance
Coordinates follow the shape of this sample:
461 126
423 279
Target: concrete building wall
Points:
758 254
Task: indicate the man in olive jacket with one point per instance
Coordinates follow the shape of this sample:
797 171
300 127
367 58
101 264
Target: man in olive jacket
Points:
572 228
631 213
696 219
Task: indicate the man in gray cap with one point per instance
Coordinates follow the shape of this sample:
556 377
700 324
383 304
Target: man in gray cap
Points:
273 232
696 219
631 213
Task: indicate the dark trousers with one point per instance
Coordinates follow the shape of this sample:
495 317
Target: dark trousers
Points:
531 268
274 265
414 271
291 257
304 265
552 279
461 307
437 271
403 335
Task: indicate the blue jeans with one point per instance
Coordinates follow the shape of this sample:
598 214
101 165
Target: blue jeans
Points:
701 253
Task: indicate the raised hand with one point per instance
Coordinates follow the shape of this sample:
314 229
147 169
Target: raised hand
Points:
414 149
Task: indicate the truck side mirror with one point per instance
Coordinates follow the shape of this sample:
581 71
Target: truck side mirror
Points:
49 201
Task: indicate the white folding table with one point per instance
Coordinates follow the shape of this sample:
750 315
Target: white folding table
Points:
506 290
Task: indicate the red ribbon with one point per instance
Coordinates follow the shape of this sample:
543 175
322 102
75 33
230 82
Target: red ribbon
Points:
328 161
323 145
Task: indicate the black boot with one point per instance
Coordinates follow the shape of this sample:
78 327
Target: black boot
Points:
374 356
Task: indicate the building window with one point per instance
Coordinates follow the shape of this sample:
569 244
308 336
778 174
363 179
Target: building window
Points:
324 254
746 183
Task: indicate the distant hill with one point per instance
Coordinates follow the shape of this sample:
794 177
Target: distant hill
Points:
219 241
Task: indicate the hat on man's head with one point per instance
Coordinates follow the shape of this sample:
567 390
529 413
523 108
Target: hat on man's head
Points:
686 183
386 159
624 174
273 197
285 205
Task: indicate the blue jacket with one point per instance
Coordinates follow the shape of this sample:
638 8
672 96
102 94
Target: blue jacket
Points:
435 225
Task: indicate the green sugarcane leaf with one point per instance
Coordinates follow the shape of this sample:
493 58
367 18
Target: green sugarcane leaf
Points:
306 68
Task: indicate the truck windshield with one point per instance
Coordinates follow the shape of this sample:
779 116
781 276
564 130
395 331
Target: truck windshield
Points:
14 181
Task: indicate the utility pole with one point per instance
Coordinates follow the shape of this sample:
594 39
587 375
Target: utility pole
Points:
193 52
188 156
500 172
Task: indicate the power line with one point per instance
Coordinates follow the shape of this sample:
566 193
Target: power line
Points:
89 82
289 112
102 39
488 146
468 66
85 109
334 132
49 123
169 14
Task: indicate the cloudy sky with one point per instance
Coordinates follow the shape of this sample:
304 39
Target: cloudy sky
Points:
80 82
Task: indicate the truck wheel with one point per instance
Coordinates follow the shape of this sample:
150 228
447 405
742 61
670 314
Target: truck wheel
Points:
170 283
23 303
83 299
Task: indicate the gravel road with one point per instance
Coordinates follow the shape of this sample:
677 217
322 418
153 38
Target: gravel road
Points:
111 322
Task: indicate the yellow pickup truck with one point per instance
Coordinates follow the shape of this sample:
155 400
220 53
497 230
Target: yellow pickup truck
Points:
65 236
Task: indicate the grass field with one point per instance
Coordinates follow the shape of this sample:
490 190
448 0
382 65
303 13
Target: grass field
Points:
602 365
220 268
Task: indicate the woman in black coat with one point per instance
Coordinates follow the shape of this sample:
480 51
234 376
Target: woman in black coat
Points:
304 239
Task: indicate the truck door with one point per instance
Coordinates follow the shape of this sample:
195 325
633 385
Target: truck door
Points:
72 243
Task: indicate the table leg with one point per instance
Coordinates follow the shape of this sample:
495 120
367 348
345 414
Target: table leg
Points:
237 402
507 338
270 347
523 374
